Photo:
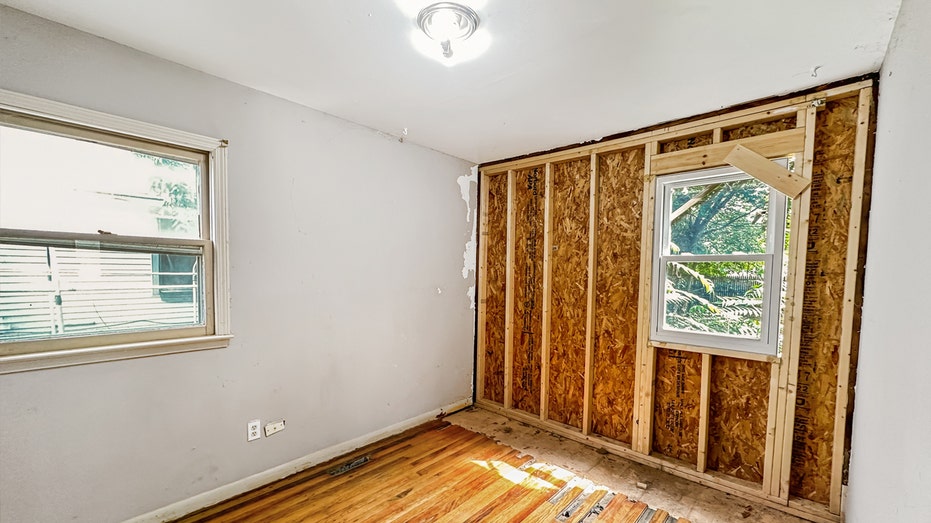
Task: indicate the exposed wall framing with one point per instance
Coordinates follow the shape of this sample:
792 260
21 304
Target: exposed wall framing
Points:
676 404
822 309
617 285
781 123
568 248
492 301
739 392
687 142
527 317
564 305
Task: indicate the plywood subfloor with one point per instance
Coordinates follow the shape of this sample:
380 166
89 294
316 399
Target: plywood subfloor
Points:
436 472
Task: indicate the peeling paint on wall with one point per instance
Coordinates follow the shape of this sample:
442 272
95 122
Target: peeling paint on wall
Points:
468 184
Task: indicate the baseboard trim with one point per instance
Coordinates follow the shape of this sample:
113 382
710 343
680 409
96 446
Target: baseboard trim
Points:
222 493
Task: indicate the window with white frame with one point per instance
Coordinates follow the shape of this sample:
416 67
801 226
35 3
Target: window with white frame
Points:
718 261
111 237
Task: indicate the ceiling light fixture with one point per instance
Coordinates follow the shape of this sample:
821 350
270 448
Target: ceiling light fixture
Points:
447 21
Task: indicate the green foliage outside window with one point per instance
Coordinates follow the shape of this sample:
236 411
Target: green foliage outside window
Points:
720 297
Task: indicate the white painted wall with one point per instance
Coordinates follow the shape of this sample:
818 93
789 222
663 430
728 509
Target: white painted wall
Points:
340 240
890 470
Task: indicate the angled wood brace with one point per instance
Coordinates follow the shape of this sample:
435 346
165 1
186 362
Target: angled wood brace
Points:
764 170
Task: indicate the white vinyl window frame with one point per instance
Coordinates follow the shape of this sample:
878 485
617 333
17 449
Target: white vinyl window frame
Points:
768 343
17 356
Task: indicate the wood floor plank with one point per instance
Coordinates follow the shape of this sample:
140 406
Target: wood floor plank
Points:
500 492
447 501
587 506
613 508
548 511
476 502
341 495
417 481
432 504
434 473
634 513
621 509
317 472
243 507
333 489
452 495
521 500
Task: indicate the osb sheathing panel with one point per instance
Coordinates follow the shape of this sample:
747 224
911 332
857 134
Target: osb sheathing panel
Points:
617 285
739 390
831 186
677 389
495 238
759 128
569 262
528 288
686 143
737 422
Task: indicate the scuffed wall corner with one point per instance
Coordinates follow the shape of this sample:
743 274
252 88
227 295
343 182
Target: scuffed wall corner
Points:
468 187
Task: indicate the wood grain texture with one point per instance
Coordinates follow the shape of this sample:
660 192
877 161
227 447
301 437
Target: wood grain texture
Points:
676 407
788 415
707 156
764 170
686 142
642 437
569 258
590 295
760 128
434 472
495 237
738 410
528 289
853 294
617 282
825 270
778 472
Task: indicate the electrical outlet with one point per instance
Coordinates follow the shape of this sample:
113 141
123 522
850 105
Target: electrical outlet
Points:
254 430
274 427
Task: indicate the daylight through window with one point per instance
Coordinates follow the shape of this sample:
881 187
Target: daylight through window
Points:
104 238
719 251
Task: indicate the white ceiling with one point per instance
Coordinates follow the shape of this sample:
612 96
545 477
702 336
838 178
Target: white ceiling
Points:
557 72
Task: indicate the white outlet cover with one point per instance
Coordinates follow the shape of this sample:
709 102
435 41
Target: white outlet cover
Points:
271 428
254 430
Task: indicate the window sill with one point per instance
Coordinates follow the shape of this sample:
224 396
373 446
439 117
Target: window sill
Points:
67 358
729 353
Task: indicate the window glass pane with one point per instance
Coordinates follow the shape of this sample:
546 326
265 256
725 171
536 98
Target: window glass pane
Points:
724 298
719 218
50 292
44 178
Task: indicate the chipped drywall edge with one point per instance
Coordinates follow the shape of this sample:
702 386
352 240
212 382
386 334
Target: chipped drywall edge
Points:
468 184
465 189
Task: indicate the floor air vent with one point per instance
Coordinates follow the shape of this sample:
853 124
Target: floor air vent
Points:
349 465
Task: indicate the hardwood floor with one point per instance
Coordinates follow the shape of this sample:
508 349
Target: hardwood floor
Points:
436 472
